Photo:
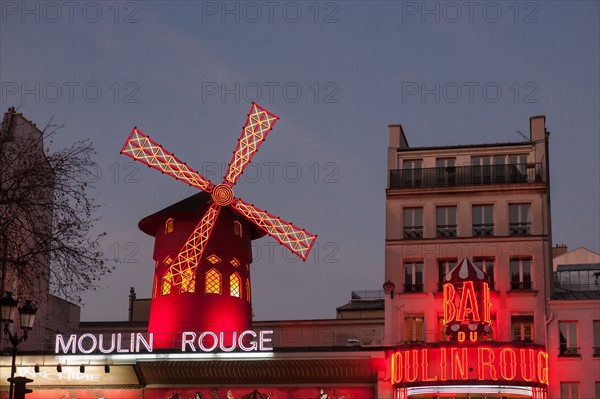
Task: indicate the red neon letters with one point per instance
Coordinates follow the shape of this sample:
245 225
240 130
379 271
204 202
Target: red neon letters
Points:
464 363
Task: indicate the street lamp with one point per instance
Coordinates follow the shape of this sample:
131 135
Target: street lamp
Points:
8 307
388 288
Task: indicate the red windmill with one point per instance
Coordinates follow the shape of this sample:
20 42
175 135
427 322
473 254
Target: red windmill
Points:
199 291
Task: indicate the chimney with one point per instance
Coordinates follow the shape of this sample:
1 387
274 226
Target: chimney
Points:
132 297
558 250
397 138
397 142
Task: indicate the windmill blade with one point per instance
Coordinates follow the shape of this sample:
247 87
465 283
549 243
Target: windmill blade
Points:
297 240
258 124
142 148
182 273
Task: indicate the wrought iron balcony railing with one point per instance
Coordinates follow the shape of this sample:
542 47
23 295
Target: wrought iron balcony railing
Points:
447 230
413 232
413 288
483 230
569 352
577 287
596 351
467 176
520 285
519 228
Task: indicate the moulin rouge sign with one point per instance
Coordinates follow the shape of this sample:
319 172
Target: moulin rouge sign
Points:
467 318
208 341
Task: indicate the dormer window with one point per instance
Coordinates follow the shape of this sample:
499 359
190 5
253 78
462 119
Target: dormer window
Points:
169 225
237 229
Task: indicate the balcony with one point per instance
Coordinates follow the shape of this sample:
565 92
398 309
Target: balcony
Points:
413 288
519 228
578 287
520 285
483 230
563 351
467 176
596 351
447 230
413 232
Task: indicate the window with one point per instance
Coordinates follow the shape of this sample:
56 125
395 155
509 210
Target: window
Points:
413 223
235 288
445 171
446 221
169 225
499 169
444 267
568 338
212 282
577 280
483 220
188 281
520 274
442 330
413 329
597 389
412 173
569 390
166 283
517 168
413 277
481 170
522 328
487 265
248 297
237 229
519 219
596 338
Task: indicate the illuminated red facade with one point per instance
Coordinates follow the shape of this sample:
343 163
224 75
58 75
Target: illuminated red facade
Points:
222 294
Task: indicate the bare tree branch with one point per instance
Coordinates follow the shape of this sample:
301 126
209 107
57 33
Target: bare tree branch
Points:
47 213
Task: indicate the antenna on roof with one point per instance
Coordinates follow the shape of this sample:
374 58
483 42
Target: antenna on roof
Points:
525 138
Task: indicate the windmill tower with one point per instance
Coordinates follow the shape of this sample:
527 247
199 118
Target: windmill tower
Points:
202 248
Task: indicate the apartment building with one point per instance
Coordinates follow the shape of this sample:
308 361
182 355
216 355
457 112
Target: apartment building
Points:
489 203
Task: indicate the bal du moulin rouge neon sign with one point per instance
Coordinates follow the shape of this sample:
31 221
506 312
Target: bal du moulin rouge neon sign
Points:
467 305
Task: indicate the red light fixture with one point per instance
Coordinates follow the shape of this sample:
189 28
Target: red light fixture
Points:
388 288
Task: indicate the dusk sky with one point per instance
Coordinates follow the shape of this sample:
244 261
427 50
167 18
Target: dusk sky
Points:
337 74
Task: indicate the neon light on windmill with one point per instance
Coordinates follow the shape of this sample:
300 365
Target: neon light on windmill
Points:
181 275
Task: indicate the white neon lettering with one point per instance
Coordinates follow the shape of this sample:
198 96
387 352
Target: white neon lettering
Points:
80 343
222 342
119 348
101 342
262 340
188 341
142 340
246 341
253 344
60 343
201 341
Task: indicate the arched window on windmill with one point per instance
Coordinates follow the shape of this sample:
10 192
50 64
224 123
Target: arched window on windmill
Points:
235 288
169 225
212 282
237 229
166 283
